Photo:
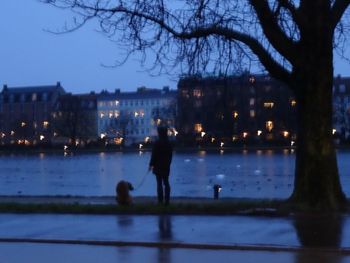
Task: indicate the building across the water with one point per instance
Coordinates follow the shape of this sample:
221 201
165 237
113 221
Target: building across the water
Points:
132 117
235 109
26 114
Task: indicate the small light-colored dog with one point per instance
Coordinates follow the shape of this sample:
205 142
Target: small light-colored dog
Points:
122 190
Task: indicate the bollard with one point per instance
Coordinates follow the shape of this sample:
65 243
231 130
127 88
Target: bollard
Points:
217 189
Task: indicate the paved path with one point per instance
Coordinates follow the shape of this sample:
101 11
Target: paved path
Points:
170 238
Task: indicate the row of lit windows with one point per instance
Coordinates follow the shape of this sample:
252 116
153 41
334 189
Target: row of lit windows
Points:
198 128
28 97
115 114
115 103
45 124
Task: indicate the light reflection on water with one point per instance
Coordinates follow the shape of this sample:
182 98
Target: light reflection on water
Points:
255 174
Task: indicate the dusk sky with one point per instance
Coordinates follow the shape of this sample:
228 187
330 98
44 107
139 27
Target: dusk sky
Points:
31 56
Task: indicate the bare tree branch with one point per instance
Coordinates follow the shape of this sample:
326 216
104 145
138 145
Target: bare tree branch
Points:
338 10
271 29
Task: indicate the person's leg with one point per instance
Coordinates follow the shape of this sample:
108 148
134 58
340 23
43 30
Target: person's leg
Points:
166 188
159 189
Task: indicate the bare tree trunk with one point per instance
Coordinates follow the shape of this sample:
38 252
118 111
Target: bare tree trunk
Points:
316 182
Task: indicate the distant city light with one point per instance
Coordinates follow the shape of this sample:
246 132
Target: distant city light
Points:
269 125
12 133
235 114
102 135
140 146
212 139
292 143
118 141
285 134
202 134
234 138
222 144
42 137
245 134
334 131
23 124
259 132
268 104
198 127
65 147
175 132
147 139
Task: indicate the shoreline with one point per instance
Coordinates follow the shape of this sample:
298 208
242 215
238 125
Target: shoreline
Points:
147 205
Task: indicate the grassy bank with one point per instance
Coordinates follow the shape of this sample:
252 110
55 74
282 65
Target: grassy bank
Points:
244 207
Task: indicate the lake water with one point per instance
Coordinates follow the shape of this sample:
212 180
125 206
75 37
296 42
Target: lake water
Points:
254 174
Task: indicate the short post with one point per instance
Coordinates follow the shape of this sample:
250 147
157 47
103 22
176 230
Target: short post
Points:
217 189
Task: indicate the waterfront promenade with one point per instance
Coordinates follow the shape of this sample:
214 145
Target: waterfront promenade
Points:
169 238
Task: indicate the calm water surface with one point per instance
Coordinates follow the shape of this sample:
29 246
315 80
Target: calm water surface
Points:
255 174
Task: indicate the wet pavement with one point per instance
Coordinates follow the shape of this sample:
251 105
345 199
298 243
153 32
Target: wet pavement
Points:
173 238
92 254
290 232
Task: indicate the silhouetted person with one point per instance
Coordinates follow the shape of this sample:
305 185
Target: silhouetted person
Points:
162 153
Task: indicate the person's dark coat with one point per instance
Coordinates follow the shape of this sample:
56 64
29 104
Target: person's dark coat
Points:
162 153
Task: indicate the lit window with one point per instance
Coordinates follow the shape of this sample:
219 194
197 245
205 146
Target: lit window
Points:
235 114
102 114
269 125
34 97
197 93
245 134
285 134
45 124
268 104
259 132
252 113
198 127
116 103
293 103
116 114
251 101
23 124
110 114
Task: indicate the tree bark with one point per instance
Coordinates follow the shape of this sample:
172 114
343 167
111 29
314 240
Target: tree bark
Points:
316 183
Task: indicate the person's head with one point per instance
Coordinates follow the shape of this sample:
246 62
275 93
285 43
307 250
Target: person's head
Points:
162 133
